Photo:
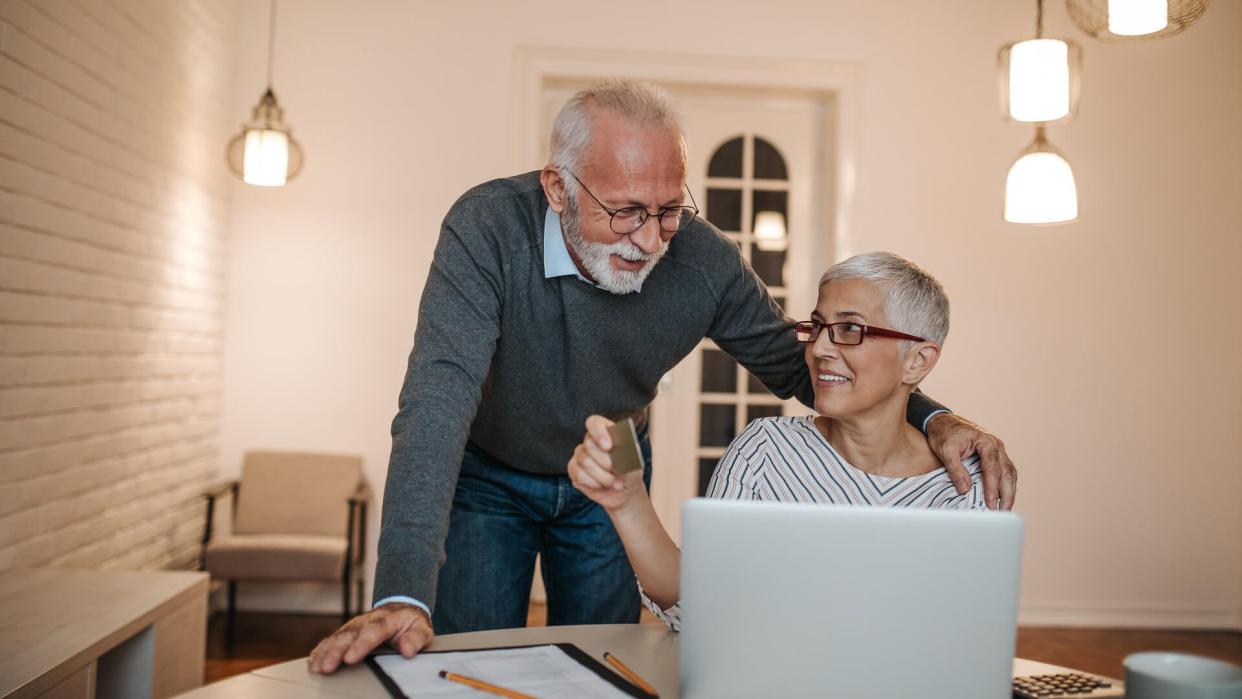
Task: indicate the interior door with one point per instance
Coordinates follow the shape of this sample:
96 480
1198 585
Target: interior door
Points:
749 151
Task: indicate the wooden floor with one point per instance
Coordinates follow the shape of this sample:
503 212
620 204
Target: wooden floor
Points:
264 639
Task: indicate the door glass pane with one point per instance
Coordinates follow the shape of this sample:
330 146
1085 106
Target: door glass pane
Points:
716 425
727 160
706 468
769 201
724 208
754 412
770 266
719 372
754 385
769 165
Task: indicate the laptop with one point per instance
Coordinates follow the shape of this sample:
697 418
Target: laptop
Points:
794 600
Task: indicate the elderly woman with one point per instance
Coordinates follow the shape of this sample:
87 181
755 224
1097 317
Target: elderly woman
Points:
875 333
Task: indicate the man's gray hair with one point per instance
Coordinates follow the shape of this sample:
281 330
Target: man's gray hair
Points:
914 301
642 103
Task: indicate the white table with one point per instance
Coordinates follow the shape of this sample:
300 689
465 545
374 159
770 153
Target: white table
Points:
649 649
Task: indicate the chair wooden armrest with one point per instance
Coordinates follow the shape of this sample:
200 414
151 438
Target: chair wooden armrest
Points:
217 491
356 529
361 495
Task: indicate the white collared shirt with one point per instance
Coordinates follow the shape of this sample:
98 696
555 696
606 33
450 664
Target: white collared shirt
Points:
556 259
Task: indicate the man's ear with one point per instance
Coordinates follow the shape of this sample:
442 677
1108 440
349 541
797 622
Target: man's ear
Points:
553 188
920 360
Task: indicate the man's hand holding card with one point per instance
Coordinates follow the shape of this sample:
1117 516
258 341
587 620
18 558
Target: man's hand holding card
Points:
608 466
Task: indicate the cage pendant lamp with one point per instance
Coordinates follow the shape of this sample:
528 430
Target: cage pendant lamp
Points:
1039 78
1040 187
1124 21
265 152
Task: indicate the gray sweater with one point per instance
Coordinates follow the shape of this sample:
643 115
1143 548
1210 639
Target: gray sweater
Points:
514 363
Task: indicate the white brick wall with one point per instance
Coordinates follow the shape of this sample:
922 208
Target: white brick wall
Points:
113 216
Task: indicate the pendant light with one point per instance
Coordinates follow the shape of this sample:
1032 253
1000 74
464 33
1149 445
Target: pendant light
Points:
1040 77
770 233
1122 21
1040 187
265 152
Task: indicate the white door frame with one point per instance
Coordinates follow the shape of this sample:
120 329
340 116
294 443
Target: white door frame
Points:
839 81
836 83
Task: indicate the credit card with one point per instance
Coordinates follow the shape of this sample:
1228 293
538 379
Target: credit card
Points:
625 454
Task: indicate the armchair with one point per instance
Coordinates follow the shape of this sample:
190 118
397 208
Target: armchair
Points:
294 517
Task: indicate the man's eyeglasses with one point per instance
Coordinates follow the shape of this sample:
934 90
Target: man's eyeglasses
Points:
807 332
628 219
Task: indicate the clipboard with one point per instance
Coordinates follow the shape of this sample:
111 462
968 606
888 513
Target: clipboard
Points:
573 652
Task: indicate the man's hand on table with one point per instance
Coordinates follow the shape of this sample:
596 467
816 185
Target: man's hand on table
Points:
403 626
955 438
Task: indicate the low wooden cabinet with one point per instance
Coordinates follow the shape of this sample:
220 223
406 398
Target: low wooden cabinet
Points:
101 633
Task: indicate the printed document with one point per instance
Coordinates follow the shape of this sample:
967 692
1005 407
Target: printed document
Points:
547 672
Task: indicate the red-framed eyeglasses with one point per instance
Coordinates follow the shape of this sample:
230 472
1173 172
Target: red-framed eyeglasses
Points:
807 332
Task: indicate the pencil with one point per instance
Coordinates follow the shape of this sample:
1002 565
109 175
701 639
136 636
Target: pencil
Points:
630 675
483 686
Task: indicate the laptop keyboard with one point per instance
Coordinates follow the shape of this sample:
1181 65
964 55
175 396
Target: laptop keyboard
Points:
1066 684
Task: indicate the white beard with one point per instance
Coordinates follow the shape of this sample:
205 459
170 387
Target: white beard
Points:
595 257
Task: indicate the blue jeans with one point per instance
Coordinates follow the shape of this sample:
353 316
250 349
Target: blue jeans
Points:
501 518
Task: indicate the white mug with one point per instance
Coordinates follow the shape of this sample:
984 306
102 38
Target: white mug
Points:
1159 675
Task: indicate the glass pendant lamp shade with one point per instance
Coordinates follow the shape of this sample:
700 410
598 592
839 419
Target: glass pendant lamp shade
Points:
265 152
1137 17
1039 80
1040 187
266 158
770 234
1134 20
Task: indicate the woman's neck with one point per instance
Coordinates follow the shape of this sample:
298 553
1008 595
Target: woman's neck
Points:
880 441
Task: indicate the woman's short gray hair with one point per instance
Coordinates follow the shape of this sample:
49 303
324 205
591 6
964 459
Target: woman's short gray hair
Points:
914 302
643 103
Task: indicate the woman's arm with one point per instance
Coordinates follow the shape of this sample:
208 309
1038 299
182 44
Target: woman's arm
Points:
653 555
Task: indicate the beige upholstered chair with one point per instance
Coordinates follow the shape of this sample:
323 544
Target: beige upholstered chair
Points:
294 517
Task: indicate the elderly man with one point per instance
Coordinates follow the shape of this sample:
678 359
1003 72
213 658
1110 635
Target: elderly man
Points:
553 296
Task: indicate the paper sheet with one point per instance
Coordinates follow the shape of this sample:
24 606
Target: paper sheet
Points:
546 672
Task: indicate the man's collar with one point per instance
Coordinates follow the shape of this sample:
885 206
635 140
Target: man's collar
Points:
556 259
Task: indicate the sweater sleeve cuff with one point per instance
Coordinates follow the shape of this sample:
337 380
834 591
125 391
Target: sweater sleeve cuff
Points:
921 408
931 415
403 599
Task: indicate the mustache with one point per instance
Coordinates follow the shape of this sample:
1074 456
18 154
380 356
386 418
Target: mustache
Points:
622 248
628 251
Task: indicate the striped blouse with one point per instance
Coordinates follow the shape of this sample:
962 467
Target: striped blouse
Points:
787 459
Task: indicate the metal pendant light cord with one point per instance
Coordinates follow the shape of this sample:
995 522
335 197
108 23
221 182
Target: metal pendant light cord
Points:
1039 20
271 42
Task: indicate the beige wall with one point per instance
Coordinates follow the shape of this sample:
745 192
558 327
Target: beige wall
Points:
113 215
1103 351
